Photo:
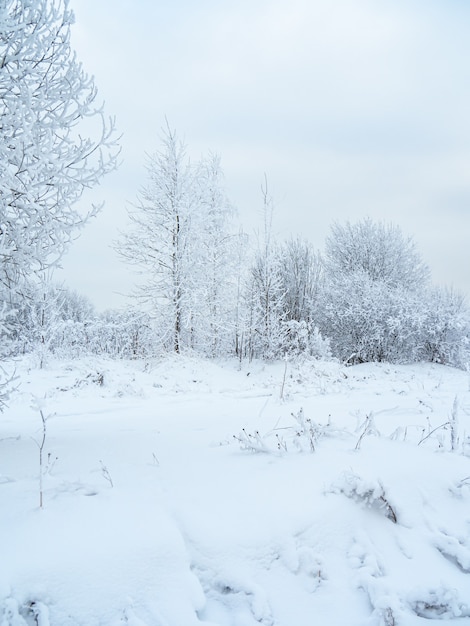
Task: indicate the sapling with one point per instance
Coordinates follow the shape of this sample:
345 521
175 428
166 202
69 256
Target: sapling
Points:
40 444
283 379
41 448
45 463
454 423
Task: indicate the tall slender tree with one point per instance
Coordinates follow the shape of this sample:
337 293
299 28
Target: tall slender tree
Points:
159 241
215 283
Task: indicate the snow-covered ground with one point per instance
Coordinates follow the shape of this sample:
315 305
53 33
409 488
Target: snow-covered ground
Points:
184 492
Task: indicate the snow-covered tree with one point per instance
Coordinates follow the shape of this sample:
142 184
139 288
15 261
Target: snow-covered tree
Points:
300 269
41 311
54 140
446 328
126 334
159 241
377 249
241 312
374 282
367 320
214 282
54 143
264 294
300 276
180 242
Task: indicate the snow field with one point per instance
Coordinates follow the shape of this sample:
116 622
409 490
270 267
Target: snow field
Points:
155 514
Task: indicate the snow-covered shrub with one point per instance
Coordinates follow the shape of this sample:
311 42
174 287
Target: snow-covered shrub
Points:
374 279
281 298
376 249
367 320
377 304
127 334
303 436
442 604
307 432
369 492
51 319
446 328
12 613
303 338
255 442
42 313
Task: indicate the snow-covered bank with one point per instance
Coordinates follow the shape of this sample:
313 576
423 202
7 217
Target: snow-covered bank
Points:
159 511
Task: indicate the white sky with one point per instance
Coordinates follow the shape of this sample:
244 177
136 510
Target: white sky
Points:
352 108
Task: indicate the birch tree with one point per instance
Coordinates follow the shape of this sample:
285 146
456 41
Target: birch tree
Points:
158 241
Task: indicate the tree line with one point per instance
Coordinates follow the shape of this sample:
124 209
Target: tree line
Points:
208 288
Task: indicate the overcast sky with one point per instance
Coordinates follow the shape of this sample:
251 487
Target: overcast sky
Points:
352 108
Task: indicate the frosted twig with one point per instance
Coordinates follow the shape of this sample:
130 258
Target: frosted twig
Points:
432 432
106 474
